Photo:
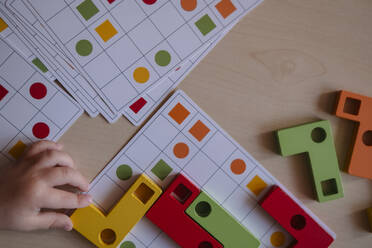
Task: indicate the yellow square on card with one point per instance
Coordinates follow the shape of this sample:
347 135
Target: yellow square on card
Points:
3 25
257 185
17 150
106 31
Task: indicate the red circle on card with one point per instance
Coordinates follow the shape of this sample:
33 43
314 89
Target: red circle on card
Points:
149 2
38 91
40 130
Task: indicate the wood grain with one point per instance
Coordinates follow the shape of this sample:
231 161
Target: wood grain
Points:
280 66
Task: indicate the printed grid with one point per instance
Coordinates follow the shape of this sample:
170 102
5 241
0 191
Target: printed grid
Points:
85 28
63 69
31 108
65 72
215 152
30 54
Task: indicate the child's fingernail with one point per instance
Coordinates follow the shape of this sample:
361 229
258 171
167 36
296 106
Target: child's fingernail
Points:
68 227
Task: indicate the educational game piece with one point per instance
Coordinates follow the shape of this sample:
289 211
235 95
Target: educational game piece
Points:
307 232
31 107
168 213
108 231
315 139
358 108
219 223
181 138
369 214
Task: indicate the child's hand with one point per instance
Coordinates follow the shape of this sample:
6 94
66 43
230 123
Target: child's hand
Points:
29 186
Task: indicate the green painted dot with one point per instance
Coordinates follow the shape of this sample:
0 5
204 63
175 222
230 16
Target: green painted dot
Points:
161 169
128 244
124 172
162 58
84 47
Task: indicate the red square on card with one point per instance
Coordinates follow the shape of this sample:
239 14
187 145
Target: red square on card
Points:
3 92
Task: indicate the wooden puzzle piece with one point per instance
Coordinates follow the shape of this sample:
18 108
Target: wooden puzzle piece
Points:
108 231
219 223
307 232
369 214
358 108
315 139
168 213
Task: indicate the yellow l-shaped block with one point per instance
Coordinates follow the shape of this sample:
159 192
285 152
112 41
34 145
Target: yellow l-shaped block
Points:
108 231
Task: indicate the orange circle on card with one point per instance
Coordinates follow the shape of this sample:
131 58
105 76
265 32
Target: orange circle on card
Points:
238 166
181 150
277 239
141 75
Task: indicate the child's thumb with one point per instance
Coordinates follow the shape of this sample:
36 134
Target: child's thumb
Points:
52 220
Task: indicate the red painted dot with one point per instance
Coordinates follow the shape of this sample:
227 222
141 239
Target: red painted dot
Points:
40 130
149 2
38 91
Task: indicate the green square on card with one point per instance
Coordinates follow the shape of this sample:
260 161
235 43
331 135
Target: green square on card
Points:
161 169
87 9
205 24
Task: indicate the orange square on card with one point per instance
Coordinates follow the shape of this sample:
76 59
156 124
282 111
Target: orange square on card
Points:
17 150
179 113
226 8
257 185
199 130
3 25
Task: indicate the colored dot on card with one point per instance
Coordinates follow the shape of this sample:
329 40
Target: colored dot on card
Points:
124 172
149 2
277 239
181 150
162 58
238 166
84 47
141 75
40 130
257 185
225 8
179 113
38 91
199 130
128 244
189 5
205 24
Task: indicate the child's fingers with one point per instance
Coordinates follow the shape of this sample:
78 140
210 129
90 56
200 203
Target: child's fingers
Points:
51 158
41 146
59 199
57 176
52 220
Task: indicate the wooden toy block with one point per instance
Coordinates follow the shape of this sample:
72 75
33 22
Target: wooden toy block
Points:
307 232
219 223
369 214
168 213
358 108
107 231
315 139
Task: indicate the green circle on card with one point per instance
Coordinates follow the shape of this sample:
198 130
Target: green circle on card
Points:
162 58
84 47
124 172
128 244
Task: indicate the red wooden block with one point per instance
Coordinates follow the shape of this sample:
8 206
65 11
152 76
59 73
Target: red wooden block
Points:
307 232
3 92
168 213
138 105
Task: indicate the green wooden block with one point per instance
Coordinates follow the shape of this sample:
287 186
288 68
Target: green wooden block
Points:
220 224
315 139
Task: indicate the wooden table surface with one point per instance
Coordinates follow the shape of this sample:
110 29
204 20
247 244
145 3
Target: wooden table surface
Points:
280 66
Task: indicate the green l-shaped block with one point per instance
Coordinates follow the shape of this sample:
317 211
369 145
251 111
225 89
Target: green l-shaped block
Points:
220 224
316 139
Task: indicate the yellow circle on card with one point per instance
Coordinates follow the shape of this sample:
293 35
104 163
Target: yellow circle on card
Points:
141 75
277 239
